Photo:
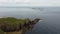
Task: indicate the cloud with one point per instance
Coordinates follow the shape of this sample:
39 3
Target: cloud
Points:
45 2
30 2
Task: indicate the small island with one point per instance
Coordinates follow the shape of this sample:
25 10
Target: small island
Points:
11 25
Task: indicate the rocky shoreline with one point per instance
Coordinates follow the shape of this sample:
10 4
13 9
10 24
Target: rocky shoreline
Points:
20 28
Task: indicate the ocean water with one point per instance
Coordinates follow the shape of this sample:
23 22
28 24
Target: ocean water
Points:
50 16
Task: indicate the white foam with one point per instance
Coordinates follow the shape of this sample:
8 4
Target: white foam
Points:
40 20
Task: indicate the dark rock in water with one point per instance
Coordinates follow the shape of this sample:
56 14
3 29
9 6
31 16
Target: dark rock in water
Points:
35 20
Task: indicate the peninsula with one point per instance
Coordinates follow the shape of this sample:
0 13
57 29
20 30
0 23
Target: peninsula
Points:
11 25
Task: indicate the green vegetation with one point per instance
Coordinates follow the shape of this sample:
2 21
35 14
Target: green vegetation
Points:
1 32
10 23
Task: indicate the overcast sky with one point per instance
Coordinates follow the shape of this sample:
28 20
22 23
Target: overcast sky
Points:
29 2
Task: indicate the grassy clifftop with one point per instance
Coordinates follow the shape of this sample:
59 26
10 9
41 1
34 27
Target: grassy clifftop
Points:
11 20
11 24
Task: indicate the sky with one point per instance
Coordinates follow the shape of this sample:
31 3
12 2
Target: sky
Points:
30 3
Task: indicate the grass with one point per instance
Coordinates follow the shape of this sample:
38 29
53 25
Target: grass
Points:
11 22
1 32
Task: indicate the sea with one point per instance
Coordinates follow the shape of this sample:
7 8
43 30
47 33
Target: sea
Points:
50 18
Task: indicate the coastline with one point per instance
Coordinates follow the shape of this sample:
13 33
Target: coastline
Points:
21 29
